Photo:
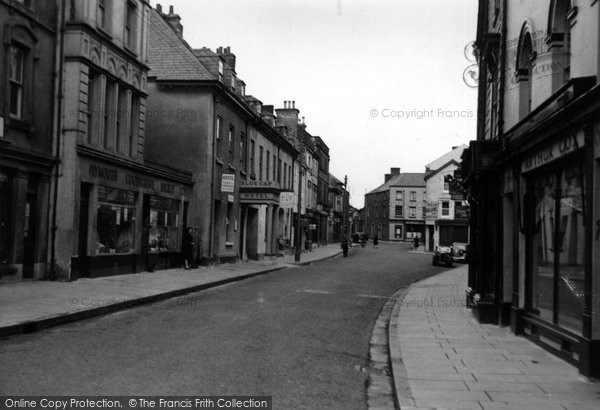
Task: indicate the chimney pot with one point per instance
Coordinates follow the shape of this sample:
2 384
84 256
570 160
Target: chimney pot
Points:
294 104
227 50
171 11
159 8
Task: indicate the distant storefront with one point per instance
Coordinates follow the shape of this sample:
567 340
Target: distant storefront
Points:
130 219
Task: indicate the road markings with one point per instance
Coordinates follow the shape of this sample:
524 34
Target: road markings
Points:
320 292
373 296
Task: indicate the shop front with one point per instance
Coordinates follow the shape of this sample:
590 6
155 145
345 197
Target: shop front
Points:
130 219
555 215
262 218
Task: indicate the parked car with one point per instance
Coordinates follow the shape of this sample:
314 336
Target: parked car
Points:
442 256
460 252
359 237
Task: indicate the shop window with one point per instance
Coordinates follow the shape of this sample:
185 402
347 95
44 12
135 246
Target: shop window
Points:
164 224
445 208
558 248
398 231
115 221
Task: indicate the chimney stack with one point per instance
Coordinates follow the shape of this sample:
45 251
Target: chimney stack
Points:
174 21
159 8
387 178
395 171
228 56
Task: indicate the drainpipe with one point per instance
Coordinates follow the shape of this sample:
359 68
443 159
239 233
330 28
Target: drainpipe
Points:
58 133
212 183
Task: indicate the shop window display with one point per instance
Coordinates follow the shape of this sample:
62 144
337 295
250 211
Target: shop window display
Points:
558 248
164 221
115 221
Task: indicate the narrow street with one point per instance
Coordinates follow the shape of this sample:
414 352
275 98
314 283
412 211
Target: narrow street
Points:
300 335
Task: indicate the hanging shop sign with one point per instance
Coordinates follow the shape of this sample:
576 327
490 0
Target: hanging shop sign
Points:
286 200
228 183
550 152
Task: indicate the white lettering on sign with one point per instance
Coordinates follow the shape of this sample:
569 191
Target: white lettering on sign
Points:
553 151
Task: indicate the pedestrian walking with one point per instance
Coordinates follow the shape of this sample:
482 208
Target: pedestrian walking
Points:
416 243
187 247
375 241
345 248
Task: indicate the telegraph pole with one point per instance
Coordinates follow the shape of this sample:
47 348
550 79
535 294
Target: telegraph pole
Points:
298 216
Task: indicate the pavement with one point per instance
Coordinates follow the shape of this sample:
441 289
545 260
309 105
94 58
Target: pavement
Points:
26 307
443 358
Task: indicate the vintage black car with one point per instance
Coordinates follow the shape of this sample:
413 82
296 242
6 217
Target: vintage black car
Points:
442 256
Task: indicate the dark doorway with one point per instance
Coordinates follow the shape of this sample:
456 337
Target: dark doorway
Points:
29 235
83 258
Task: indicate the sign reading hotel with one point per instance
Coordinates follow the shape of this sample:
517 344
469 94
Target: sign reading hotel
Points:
550 152
228 183
286 200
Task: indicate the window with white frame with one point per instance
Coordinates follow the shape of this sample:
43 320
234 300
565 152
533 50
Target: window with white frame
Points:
16 80
445 208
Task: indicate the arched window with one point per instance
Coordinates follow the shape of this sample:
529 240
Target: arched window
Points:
525 59
559 34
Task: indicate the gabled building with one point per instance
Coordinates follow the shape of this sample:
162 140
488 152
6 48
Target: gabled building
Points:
446 216
533 175
27 136
394 210
337 204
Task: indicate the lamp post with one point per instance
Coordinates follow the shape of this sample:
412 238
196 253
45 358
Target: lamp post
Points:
345 208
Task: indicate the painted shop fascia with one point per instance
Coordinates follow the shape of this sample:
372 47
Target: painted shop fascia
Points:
135 212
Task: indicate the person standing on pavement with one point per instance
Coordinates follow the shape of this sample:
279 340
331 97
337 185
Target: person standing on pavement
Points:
345 247
375 241
187 247
416 243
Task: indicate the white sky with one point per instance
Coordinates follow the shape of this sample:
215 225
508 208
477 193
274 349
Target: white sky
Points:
341 59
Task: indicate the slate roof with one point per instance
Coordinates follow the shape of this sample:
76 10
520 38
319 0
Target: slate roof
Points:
407 179
169 56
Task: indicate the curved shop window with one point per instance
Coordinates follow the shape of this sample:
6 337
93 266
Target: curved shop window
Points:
115 221
164 221
558 247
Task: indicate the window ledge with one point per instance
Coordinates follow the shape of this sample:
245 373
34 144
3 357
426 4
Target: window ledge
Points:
104 33
218 161
21 125
131 51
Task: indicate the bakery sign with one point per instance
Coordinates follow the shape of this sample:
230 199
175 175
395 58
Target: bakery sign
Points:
552 151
